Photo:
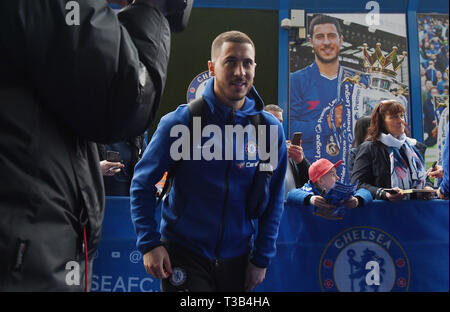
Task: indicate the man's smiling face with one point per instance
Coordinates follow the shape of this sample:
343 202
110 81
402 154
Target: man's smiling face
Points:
326 42
234 71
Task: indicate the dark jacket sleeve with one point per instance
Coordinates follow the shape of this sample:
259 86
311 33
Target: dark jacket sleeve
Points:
300 171
101 77
421 148
351 160
364 171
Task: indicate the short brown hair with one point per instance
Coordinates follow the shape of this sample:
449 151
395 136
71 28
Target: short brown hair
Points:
324 19
273 108
229 36
386 107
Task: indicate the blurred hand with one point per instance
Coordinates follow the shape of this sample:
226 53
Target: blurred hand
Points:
435 130
436 172
352 202
440 195
295 152
426 196
157 263
395 197
254 276
320 202
110 168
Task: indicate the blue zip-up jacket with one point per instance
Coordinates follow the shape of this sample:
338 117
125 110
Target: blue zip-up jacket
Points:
205 210
302 196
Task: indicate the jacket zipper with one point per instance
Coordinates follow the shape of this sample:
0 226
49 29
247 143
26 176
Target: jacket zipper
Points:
222 225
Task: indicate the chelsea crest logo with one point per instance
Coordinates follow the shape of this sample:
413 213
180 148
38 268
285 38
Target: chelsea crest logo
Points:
197 86
364 259
178 276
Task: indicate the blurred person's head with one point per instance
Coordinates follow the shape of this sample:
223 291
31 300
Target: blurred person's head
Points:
423 79
434 92
388 117
428 85
361 127
275 110
422 70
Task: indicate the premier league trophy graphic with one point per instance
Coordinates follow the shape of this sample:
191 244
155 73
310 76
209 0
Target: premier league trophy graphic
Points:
382 72
359 92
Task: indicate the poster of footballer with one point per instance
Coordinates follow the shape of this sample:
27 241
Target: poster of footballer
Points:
343 68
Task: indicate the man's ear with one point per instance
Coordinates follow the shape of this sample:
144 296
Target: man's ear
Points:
211 68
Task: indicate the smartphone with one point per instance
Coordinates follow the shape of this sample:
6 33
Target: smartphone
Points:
296 138
111 169
112 156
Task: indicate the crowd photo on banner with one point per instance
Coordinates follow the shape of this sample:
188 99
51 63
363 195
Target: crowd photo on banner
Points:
434 75
109 187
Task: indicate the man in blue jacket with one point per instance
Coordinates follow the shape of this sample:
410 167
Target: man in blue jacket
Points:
205 243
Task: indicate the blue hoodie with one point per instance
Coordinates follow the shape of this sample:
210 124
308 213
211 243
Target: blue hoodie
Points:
205 210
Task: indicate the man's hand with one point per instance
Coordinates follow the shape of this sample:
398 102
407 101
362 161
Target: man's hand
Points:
426 196
110 168
320 202
440 195
395 197
253 276
435 130
352 202
157 263
324 209
295 152
436 172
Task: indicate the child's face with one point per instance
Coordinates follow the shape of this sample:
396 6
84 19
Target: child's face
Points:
328 180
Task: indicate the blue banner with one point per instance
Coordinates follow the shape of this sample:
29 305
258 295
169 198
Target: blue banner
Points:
381 247
118 265
405 246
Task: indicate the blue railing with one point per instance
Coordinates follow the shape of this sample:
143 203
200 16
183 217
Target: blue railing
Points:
409 241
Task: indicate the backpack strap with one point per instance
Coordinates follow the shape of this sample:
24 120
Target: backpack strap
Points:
196 109
257 120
